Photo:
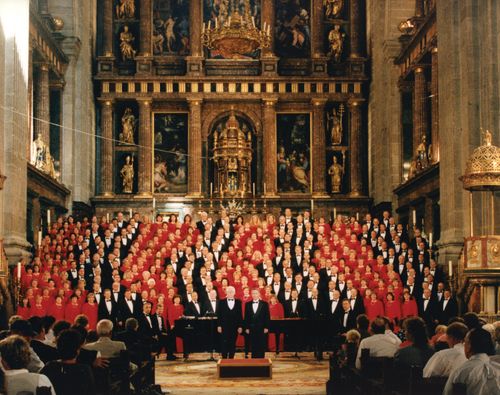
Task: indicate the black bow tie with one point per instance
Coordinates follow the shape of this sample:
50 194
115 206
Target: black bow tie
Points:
230 300
255 302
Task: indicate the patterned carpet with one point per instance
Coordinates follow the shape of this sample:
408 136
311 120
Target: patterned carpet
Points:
290 376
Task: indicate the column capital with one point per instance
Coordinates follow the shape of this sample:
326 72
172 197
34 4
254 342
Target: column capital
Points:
106 102
270 101
355 102
145 101
319 101
419 68
194 100
434 49
43 66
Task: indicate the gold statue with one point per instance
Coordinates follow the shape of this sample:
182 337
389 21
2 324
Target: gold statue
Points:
422 154
336 172
336 40
127 173
49 167
333 8
486 137
126 9
39 152
126 40
335 125
128 127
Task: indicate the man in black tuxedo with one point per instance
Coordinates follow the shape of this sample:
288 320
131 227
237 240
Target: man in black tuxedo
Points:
428 309
257 324
107 308
212 304
448 308
127 308
294 307
315 313
334 312
194 308
229 323
347 317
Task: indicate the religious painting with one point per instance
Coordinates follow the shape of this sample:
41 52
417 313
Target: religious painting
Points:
170 27
170 152
126 167
217 12
293 156
293 28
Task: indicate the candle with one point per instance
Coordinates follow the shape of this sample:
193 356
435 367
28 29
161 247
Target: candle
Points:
335 213
107 217
253 21
39 238
203 29
450 268
268 30
265 191
253 189
211 189
312 205
48 218
154 203
430 239
18 270
357 216
200 188
414 217
130 213
209 24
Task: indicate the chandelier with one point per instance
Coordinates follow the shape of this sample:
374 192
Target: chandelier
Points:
235 35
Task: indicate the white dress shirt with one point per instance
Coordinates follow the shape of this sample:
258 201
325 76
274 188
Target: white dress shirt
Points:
380 345
230 304
444 362
21 381
255 306
480 375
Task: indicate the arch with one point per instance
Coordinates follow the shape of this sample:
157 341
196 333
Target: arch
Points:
215 115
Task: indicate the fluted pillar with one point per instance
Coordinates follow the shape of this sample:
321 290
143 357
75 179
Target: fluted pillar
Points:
317 29
356 22
195 61
419 8
268 16
269 142
145 28
195 162
107 21
419 107
42 103
107 148
145 147
356 157
318 168
434 105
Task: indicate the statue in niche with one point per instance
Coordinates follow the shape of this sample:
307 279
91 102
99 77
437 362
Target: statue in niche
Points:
126 9
336 40
336 172
39 152
126 48
128 127
333 8
335 125
127 174
422 154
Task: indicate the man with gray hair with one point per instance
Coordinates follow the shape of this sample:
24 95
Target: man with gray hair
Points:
229 323
104 345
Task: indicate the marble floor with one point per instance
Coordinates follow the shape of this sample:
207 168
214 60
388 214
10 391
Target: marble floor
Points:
291 376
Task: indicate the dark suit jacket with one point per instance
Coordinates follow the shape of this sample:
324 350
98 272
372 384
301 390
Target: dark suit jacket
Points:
103 313
350 324
450 311
44 351
300 312
257 321
319 312
230 319
191 311
208 309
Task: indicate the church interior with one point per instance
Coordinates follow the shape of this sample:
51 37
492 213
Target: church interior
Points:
270 153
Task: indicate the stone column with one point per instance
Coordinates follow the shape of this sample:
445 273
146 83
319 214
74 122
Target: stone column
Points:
107 34
355 20
195 162
434 106
319 59
145 28
356 156
107 148
318 160
419 107
269 142
42 103
145 147
195 61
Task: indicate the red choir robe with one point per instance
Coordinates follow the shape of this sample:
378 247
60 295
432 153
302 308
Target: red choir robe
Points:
374 309
174 313
393 310
409 309
38 311
56 311
90 310
71 311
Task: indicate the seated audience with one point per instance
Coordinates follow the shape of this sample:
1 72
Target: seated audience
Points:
478 374
419 351
15 356
23 328
444 362
379 343
104 345
68 376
